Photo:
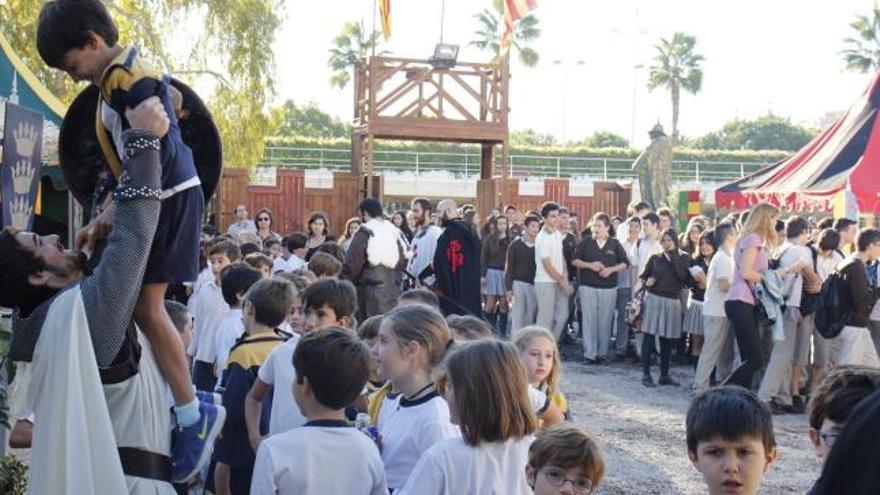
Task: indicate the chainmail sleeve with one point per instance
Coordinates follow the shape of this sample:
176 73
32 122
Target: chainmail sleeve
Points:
111 292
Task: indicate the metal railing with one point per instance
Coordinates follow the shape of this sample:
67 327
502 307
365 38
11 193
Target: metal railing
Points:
468 164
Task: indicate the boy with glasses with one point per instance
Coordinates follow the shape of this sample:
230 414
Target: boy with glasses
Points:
561 456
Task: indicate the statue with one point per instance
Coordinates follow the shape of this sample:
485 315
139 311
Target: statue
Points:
654 166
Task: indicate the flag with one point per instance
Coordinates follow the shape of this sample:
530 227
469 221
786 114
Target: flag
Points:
385 13
514 10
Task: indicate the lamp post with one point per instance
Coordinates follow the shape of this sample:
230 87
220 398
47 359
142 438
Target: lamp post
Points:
565 66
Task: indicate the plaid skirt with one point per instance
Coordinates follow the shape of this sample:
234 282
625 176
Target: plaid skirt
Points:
662 316
693 318
494 283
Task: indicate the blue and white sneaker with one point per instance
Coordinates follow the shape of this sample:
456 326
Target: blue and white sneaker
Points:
191 446
212 398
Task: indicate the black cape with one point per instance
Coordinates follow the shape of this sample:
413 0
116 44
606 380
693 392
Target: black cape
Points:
457 269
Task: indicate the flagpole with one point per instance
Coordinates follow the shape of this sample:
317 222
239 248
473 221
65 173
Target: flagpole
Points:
373 36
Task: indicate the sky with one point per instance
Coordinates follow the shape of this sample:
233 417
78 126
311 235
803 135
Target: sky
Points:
779 56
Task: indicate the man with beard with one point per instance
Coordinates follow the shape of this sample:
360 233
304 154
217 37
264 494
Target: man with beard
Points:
424 242
102 421
457 264
375 261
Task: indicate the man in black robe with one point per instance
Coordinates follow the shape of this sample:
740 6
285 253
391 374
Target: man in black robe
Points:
457 264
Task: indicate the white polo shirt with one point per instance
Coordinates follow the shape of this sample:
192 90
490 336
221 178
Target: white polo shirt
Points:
548 245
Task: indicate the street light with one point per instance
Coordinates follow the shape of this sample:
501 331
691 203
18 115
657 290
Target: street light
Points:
565 65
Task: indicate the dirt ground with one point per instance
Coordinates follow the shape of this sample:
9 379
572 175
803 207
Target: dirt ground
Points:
642 433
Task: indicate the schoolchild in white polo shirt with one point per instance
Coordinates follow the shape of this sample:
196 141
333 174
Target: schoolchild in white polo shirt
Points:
325 456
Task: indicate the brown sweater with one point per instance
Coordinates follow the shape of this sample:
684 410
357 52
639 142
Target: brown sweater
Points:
493 253
670 275
520 264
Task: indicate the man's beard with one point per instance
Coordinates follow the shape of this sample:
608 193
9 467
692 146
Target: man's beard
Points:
73 265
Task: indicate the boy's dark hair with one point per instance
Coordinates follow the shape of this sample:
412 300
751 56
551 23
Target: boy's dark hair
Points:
424 203
531 219
339 295
780 227
249 248
229 248
795 226
723 231
16 265
179 314
567 446
236 280
744 217
841 224
336 363
729 412
298 281
617 218
851 466
68 24
469 327
651 217
209 229
324 265
866 237
296 240
829 239
369 329
665 212
509 207
272 299
634 219
269 243
840 392
258 260
328 247
564 211
372 207
641 205
423 296
825 223
548 208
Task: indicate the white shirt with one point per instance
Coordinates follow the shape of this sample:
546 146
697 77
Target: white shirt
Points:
408 431
229 330
720 268
319 460
237 228
207 310
825 265
288 265
452 467
537 399
793 283
278 372
646 248
625 276
205 276
548 245
424 244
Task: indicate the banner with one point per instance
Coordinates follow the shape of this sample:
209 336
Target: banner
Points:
20 166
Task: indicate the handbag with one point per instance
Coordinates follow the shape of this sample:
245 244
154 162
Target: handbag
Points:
634 309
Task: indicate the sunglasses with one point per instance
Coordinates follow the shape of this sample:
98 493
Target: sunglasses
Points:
263 219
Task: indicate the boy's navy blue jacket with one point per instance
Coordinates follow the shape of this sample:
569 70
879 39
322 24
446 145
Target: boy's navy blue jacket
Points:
233 447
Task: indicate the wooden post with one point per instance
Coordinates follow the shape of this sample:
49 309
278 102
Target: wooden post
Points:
486 159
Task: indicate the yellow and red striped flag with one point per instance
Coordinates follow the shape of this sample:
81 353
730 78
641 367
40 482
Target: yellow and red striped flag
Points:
514 10
385 13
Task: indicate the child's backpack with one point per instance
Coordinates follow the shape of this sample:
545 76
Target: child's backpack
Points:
830 316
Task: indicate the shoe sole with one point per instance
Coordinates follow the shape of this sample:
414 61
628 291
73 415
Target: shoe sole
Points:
211 437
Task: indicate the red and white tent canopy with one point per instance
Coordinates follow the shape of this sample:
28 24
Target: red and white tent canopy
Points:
849 150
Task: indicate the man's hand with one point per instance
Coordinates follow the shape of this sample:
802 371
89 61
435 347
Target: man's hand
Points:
569 290
149 115
510 297
650 282
596 266
605 272
98 229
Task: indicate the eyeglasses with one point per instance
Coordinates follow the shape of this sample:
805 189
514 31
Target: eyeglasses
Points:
830 436
557 478
263 219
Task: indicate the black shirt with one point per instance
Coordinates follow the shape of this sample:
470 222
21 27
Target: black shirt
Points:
569 248
611 254
670 275
520 263
697 293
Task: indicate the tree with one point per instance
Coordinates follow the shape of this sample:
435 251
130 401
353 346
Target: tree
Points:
349 46
862 52
768 132
232 48
676 67
290 119
604 139
531 137
525 31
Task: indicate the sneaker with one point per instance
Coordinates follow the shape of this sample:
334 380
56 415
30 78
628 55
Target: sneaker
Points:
798 405
191 447
777 408
667 380
648 381
212 398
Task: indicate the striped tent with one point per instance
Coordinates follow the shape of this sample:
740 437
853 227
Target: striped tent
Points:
847 153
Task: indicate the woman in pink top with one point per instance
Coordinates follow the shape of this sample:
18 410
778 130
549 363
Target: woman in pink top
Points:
751 257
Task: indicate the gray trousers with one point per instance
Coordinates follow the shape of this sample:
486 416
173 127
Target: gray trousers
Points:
776 381
717 351
621 336
597 307
525 305
552 307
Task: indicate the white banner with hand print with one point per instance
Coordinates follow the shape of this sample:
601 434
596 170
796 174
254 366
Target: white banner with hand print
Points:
20 170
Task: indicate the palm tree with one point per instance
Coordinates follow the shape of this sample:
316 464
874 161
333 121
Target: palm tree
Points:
349 46
492 27
676 67
862 53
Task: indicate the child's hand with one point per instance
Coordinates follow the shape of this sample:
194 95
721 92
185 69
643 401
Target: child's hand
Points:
95 231
149 115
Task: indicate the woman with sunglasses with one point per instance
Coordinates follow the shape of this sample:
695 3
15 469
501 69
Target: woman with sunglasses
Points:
264 226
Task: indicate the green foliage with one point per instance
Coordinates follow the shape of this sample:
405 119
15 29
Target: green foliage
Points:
309 120
350 46
604 139
862 52
491 27
13 476
233 46
531 137
768 132
676 67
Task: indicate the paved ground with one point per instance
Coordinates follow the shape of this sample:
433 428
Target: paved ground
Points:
642 433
